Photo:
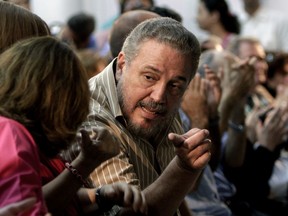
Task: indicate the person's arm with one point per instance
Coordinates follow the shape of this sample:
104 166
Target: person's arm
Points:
166 194
194 103
213 100
235 146
237 83
101 147
109 195
200 104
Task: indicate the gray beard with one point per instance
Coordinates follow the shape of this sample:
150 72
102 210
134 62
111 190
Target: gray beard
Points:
148 133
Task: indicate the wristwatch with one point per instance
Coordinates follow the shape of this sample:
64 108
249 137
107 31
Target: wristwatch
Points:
102 202
237 127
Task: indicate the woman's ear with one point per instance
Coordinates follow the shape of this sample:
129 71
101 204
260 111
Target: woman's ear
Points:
215 16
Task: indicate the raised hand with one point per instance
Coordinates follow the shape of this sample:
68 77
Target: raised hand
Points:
238 82
98 143
214 91
272 131
192 148
194 102
238 78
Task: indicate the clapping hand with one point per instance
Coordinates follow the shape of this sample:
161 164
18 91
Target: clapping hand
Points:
98 143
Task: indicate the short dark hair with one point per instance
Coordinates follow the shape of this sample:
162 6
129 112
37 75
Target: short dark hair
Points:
277 64
82 25
166 12
228 20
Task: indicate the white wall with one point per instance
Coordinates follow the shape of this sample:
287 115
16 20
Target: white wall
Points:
105 11
60 10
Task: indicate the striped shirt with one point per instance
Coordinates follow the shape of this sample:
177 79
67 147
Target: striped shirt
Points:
138 162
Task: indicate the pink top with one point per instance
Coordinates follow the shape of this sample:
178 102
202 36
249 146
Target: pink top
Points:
19 167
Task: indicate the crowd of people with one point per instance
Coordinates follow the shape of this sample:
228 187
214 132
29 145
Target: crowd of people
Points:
160 123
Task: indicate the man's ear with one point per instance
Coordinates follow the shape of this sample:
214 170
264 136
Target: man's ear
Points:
120 64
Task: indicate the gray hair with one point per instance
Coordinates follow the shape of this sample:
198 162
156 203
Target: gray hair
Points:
215 59
163 30
234 46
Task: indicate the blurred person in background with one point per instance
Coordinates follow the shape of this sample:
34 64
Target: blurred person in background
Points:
127 5
78 31
268 26
122 26
248 47
277 74
215 17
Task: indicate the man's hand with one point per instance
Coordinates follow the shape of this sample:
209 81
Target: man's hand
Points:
125 195
192 148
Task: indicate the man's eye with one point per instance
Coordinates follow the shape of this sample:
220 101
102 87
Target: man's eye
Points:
176 86
176 89
150 78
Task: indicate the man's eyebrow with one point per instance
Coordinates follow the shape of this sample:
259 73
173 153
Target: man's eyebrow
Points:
184 79
152 68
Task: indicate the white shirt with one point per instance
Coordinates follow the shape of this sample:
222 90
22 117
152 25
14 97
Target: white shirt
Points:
269 27
279 180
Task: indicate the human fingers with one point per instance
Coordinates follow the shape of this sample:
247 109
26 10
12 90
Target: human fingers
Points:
144 207
135 198
194 152
176 139
100 147
195 137
196 82
201 154
273 117
109 140
126 195
85 138
179 139
213 79
209 73
207 69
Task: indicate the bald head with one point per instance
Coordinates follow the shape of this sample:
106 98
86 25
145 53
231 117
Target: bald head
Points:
124 25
